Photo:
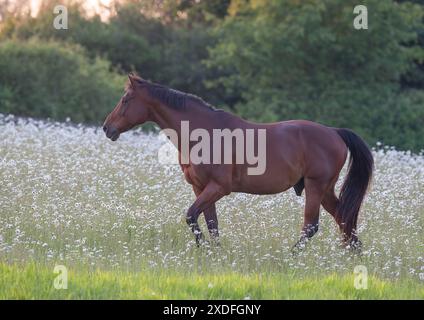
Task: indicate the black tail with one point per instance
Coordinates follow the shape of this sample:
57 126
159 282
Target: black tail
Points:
361 164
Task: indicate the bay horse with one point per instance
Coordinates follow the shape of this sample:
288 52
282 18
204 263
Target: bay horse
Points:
301 154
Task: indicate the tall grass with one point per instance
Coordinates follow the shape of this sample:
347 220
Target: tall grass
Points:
69 196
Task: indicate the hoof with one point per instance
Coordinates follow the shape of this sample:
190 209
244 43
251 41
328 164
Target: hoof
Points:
200 241
214 241
208 243
353 244
299 246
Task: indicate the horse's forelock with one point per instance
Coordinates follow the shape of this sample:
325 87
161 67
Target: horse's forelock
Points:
136 78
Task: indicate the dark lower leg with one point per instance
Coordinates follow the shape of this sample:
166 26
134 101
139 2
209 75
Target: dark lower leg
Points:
308 231
212 223
194 226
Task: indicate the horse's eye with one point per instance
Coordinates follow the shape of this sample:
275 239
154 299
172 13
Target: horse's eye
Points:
125 100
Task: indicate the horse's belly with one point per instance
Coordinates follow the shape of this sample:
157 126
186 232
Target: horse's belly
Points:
264 184
263 190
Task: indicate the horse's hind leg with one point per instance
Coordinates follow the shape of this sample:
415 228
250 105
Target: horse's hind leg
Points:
330 203
314 191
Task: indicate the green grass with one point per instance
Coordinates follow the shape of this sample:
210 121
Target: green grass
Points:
114 216
36 282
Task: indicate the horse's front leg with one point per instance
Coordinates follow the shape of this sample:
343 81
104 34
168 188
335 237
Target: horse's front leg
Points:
205 202
210 218
212 222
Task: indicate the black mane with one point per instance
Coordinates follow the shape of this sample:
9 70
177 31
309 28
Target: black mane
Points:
173 98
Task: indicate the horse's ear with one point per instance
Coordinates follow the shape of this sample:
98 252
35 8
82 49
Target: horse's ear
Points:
132 79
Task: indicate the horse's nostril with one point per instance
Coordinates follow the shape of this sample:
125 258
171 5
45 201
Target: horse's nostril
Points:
104 128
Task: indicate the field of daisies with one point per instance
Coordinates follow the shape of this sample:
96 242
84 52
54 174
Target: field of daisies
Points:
69 196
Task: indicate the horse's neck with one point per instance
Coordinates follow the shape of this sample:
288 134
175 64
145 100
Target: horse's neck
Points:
168 118
194 117
165 118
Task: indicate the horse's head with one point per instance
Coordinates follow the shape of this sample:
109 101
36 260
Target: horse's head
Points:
131 110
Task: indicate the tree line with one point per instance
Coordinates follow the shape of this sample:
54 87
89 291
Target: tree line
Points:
266 60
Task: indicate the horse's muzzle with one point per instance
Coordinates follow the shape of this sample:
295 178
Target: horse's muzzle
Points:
111 132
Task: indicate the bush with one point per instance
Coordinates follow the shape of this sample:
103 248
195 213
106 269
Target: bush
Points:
56 80
170 54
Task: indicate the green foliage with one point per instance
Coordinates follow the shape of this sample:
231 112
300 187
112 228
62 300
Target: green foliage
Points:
126 50
168 54
40 79
303 59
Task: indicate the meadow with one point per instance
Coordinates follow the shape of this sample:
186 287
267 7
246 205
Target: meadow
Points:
114 216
